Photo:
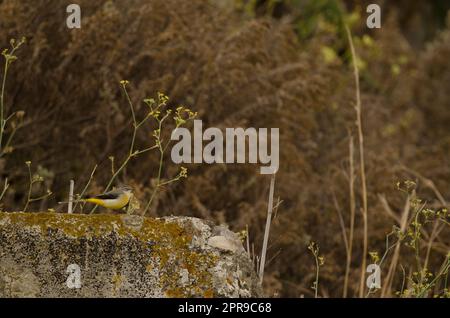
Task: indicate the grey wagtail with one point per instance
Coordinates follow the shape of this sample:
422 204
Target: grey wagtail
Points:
115 199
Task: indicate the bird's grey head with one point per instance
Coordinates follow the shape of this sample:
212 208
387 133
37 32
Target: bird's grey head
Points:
125 187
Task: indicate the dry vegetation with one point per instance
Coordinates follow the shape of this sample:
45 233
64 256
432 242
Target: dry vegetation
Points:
248 66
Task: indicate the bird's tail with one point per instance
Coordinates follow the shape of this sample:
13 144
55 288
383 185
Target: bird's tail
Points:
65 202
84 198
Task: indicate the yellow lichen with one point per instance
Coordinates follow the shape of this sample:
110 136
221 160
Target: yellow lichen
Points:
117 282
149 268
209 293
175 293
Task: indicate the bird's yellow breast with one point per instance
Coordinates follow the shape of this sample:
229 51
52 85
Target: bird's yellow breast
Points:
114 204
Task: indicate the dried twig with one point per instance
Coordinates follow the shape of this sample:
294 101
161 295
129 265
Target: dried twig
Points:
361 163
351 183
267 229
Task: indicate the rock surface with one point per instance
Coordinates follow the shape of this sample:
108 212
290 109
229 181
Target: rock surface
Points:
105 255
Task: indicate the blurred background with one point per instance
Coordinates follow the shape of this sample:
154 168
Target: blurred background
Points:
241 63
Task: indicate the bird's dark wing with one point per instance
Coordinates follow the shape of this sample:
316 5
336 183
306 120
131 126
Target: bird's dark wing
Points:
105 196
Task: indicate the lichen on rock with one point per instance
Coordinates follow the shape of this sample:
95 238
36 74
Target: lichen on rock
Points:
120 256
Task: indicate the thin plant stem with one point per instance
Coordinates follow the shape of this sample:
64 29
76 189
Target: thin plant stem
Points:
29 189
319 261
32 181
161 161
267 229
444 270
316 282
86 187
247 239
352 214
5 188
403 279
9 58
386 252
2 105
361 162
131 149
393 266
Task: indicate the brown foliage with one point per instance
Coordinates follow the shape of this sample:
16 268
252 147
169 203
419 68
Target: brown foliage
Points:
234 72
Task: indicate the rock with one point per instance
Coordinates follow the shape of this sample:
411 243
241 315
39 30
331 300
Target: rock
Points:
106 255
223 243
225 239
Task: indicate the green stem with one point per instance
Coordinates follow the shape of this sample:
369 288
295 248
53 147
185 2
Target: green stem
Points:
145 150
41 197
131 150
5 187
316 289
416 244
2 123
162 150
388 248
2 94
444 269
158 179
29 190
170 181
85 188
135 125
8 142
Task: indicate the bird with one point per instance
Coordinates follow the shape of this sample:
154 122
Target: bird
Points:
115 199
